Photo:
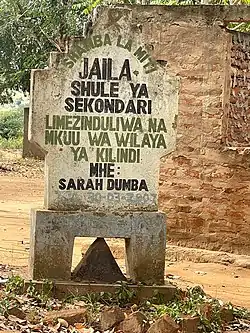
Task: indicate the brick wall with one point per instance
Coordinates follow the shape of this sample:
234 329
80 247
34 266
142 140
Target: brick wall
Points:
204 186
238 127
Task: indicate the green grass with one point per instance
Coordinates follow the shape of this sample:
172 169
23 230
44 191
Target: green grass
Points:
13 143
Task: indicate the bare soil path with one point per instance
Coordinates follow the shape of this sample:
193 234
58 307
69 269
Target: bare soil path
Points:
18 194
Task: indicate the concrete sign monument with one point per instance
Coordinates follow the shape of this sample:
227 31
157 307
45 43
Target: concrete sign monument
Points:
104 112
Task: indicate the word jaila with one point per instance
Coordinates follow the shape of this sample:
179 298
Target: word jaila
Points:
97 90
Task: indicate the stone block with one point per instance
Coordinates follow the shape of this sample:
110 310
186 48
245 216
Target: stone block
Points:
226 315
111 317
17 312
136 322
72 316
190 324
164 324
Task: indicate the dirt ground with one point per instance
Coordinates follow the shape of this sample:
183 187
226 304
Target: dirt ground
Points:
21 188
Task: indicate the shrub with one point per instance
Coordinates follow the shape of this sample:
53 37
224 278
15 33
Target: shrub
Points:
11 124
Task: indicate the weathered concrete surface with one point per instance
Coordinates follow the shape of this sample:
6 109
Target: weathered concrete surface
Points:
204 186
63 289
98 265
145 258
164 324
53 233
129 129
30 149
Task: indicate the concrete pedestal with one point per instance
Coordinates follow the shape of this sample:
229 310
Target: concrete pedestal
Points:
53 233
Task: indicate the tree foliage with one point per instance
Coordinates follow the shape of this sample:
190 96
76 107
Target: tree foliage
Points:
30 29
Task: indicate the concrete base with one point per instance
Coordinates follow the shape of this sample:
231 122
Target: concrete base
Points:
62 289
53 233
